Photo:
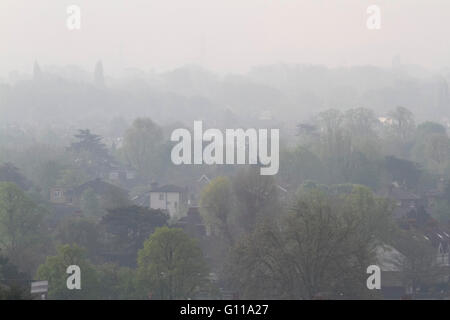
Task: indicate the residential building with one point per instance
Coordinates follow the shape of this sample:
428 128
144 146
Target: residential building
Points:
170 198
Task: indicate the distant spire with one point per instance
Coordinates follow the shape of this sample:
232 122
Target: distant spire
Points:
396 62
37 73
99 78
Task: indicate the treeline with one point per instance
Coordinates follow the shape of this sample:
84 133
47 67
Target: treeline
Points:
308 232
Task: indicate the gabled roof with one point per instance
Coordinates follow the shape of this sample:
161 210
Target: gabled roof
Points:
168 188
142 200
204 177
398 193
99 186
388 257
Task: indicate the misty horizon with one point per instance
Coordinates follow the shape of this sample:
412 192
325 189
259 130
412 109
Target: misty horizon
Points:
198 150
225 37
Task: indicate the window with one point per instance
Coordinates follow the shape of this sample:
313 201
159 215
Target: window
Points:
161 196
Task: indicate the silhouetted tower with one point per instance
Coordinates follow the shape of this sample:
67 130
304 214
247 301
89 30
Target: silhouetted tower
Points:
37 73
443 96
99 78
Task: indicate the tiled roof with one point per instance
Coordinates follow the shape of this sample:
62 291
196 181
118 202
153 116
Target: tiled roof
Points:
98 185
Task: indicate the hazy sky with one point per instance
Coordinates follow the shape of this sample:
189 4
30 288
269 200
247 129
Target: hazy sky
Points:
224 35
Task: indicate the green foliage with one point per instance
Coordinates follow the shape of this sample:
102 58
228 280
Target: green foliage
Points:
21 229
14 285
320 249
117 283
9 173
256 197
429 127
89 145
141 143
127 228
83 232
90 204
114 198
403 171
441 211
216 205
418 263
299 165
54 271
171 265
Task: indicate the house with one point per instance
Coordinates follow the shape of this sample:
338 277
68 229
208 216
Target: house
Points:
168 197
100 188
122 175
192 223
439 238
412 213
394 285
390 262
406 203
58 195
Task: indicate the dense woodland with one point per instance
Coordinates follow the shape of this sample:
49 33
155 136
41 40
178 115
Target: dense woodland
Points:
356 143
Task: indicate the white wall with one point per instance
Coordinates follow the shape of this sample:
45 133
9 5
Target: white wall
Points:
170 201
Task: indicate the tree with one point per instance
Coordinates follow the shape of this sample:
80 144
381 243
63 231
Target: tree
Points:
216 206
89 142
429 127
48 175
90 152
99 78
441 211
256 195
360 122
127 228
418 262
10 173
117 282
432 146
335 145
300 165
83 232
54 271
90 204
14 285
20 225
37 73
171 265
322 247
141 145
403 123
403 171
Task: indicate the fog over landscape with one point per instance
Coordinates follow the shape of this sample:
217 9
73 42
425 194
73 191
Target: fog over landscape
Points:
224 36
133 149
